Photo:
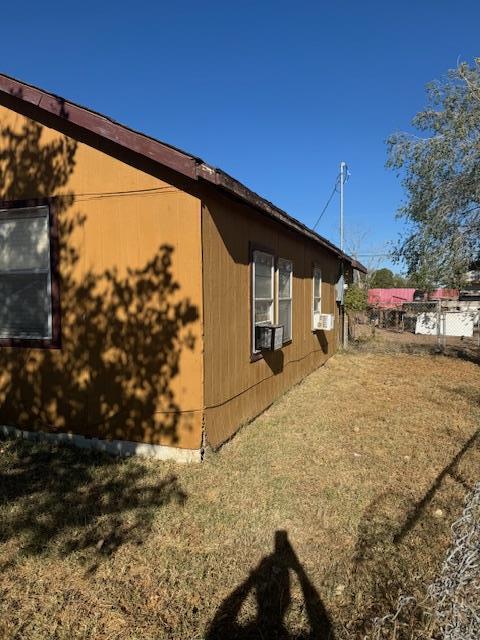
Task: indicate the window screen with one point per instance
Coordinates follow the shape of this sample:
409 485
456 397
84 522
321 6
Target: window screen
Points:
25 278
262 289
285 297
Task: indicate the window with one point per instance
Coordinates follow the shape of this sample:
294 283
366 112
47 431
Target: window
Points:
262 290
317 296
25 274
285 297
271 304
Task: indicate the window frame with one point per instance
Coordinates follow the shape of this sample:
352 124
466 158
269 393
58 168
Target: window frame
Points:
278 299
316 269
253 250
53 341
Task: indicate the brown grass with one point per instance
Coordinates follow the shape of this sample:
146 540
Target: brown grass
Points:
354 464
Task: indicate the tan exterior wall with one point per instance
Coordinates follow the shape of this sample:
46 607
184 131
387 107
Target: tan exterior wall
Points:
237 389
130 366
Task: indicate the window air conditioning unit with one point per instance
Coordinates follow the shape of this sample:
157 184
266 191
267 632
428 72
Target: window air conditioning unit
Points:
323 321
268 337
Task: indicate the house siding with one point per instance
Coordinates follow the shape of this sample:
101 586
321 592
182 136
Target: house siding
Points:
115 375
237 388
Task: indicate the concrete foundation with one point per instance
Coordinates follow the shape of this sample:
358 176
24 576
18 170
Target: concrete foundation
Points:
122 448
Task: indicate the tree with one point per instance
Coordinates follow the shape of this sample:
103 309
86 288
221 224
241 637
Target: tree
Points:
441 176
399 281
356 298
382 279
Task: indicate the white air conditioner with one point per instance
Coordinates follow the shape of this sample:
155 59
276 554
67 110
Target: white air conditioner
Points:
323 321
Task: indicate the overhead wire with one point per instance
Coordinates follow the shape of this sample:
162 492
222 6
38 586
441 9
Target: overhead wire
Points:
334 190
82 197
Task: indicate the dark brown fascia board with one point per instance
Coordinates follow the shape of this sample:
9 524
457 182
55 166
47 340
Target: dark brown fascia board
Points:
168 156
236 188
102 126
358 265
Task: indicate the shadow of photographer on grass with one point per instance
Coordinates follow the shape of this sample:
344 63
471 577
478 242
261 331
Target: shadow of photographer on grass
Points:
270 582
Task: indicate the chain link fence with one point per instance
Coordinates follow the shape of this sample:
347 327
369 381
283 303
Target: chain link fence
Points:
439 325
451 608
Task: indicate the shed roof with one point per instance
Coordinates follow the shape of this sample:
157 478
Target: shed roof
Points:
15 92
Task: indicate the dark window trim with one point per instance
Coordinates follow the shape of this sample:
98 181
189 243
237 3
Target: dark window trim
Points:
55 341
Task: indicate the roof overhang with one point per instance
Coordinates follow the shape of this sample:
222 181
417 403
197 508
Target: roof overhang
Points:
16 93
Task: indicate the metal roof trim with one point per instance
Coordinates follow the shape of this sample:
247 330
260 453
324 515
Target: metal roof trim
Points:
164 154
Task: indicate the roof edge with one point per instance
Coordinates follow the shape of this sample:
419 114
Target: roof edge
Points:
164 154
236 188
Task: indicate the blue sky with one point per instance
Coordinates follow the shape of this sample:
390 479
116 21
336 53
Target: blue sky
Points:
275 93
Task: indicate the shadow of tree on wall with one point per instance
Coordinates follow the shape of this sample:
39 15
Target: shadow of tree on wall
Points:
32 167
121 341
270 582
122 336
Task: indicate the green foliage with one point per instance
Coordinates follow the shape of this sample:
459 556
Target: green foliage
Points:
400 281
382 279
441 177
386 279
356 298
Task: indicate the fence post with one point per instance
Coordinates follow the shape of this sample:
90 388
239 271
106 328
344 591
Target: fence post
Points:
439 326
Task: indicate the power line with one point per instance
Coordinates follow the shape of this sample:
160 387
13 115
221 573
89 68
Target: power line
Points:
374 255
82 197
337 180
327 203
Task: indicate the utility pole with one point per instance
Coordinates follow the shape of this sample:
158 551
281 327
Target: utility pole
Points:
344 316
342 181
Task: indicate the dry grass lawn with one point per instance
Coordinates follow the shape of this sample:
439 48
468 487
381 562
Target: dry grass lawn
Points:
364 466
